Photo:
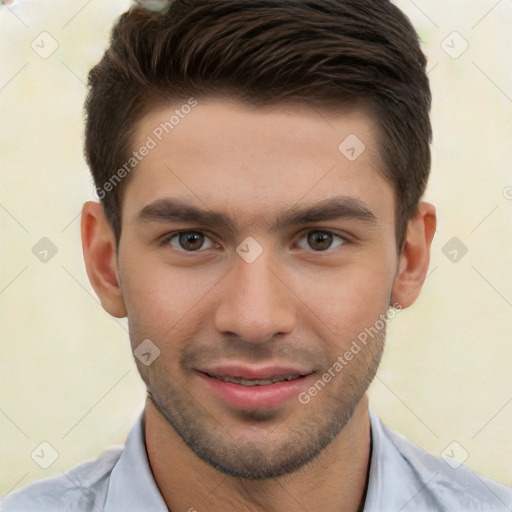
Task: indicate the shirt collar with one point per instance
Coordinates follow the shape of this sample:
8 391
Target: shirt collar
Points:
132 487
393 483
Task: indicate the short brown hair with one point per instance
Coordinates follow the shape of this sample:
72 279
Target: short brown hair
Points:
265 52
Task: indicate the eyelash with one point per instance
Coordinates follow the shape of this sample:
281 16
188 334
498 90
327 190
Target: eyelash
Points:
167 239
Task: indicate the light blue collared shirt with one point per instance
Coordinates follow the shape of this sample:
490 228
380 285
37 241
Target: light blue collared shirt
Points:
403 478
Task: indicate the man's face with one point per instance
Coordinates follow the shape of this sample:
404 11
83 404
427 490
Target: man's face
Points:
232 305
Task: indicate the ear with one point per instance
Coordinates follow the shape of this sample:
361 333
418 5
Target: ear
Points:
100 256
414 258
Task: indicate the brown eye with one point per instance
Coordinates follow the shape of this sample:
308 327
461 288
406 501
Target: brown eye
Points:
319 241
189 241
322 240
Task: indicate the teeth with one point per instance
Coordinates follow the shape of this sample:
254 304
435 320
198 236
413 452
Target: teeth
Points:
256 382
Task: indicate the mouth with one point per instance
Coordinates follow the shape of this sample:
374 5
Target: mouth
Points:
249 387
255 382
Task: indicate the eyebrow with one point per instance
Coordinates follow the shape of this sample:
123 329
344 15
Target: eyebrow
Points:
177 210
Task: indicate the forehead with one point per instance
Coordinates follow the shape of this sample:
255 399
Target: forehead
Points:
256 160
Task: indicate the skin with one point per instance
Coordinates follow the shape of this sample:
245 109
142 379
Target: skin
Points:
295 304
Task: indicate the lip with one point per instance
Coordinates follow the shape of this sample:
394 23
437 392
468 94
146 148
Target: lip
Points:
244 371
254 397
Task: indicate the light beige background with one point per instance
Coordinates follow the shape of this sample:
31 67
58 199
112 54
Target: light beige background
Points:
67 374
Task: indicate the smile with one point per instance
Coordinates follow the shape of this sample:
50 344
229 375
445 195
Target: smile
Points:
255 390
255 382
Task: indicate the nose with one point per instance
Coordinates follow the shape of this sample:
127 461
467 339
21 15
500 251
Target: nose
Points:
256 302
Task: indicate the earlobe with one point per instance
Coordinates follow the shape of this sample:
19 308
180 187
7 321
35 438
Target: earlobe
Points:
414 258
99 250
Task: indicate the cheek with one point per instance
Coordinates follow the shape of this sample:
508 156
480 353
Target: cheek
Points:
347 301
162 302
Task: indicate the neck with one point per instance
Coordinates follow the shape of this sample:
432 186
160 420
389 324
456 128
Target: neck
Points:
334 481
